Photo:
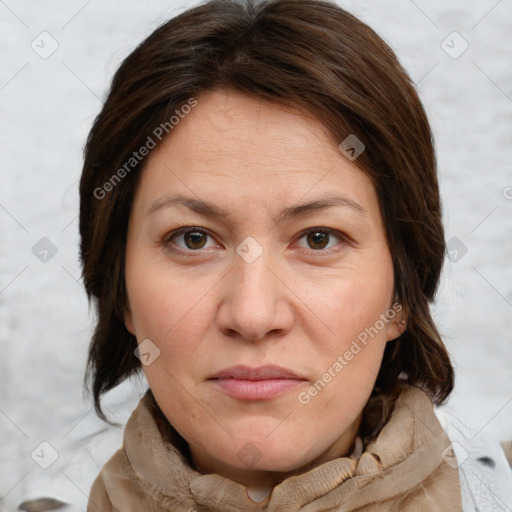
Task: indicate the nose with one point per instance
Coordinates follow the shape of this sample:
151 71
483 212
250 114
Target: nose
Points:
256 302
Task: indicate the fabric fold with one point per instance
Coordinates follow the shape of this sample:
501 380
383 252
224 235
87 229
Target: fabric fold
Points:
402 469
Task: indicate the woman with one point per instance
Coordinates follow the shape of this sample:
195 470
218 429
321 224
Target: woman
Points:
261 233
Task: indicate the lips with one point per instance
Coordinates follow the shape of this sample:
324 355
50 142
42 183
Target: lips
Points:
256 373
250 383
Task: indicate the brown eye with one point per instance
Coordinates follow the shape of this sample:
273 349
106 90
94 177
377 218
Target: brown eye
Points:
321 240
194 239
190 239
318 239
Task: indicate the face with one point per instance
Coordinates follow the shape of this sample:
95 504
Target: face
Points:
224 270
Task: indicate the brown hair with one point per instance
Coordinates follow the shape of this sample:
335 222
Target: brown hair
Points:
308 54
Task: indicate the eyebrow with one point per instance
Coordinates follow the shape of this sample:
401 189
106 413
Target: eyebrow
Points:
211 210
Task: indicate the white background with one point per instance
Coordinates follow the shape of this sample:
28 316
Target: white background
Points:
46 109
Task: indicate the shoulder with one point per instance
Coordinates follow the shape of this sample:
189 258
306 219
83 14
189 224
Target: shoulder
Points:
106 483
485 475
118 487
98 500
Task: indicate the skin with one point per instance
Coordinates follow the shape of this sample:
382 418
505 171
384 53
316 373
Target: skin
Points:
299 304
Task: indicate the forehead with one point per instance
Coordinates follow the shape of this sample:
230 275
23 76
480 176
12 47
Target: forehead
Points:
232 147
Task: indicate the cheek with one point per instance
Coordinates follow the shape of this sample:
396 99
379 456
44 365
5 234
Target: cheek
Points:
161 303
171 314
175 314
349 306
163 311
353 354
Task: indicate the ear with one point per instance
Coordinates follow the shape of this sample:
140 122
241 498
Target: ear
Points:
397 324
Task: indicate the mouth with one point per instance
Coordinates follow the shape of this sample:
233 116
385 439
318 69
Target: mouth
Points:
255 383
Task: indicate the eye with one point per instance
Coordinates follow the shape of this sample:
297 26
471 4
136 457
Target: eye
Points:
194 238
319 238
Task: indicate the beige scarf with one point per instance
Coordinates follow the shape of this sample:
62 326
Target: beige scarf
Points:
401 470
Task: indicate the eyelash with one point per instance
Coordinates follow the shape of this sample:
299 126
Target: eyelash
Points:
189 252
